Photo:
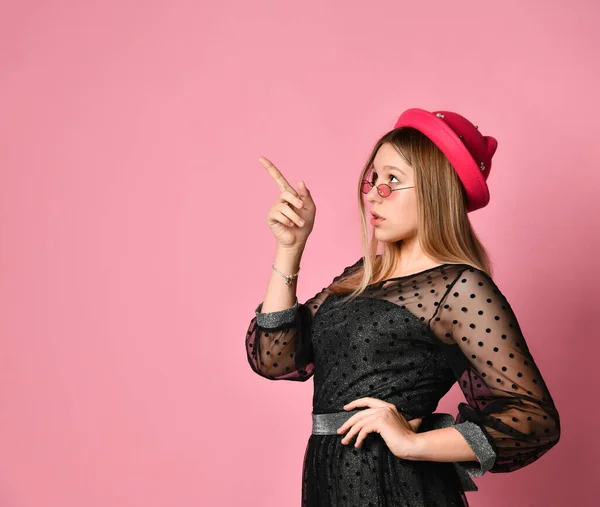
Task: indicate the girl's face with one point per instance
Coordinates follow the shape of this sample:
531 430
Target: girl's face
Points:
399 209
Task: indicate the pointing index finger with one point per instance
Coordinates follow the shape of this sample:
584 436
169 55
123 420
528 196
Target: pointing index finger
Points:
275 173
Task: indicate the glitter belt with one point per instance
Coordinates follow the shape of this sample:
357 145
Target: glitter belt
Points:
327 424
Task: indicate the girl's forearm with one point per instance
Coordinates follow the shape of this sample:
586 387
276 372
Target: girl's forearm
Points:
444 444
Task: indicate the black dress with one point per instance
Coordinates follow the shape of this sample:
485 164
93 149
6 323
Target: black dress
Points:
407 340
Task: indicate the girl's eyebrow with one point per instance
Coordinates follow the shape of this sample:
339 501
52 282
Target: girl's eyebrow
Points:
390 167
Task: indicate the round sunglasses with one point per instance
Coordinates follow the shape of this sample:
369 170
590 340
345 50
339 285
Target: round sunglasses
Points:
383 189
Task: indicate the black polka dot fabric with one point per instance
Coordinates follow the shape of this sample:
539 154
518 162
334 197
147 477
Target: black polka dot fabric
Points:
407 340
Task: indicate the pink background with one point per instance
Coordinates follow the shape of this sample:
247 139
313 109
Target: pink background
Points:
135 246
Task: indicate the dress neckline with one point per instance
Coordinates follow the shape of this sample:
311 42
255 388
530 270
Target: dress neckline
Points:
413 274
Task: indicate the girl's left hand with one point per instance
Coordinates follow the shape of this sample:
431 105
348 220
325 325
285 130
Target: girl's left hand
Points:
383 418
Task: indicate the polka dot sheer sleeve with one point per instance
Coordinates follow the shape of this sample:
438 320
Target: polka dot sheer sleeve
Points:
278 344
509 418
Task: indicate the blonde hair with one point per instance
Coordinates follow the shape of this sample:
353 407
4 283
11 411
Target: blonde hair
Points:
445 231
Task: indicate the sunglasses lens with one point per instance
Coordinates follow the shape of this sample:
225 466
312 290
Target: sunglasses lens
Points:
366 187
384 190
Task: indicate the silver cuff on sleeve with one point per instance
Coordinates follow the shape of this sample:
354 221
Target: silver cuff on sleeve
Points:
272 320
484 452
439 420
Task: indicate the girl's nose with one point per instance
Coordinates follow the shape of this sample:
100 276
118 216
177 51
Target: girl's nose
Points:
373 193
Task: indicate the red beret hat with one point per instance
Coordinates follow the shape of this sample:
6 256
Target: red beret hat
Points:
469 152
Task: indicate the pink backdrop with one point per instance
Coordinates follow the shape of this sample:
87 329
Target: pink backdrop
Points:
135 246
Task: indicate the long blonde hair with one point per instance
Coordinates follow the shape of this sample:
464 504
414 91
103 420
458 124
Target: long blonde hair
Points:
444 228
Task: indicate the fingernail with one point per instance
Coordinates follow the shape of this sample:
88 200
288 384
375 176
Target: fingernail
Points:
301 222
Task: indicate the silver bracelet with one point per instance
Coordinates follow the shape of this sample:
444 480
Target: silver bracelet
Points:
288 278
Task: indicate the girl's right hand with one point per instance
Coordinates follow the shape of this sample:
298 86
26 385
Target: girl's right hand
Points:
284 217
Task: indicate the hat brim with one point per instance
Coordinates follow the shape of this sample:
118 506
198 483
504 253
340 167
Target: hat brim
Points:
453 148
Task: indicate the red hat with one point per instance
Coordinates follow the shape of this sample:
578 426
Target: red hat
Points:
469 152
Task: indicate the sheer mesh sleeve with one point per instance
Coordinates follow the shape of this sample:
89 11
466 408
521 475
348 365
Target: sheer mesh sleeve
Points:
510 419
278 344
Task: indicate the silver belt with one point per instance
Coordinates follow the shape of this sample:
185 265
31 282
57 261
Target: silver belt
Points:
327 424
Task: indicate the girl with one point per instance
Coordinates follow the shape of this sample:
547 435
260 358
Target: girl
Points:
394 331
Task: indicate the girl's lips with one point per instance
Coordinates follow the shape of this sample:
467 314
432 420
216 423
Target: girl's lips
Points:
376 220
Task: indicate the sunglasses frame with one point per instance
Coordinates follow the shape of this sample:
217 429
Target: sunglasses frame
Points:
371 185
